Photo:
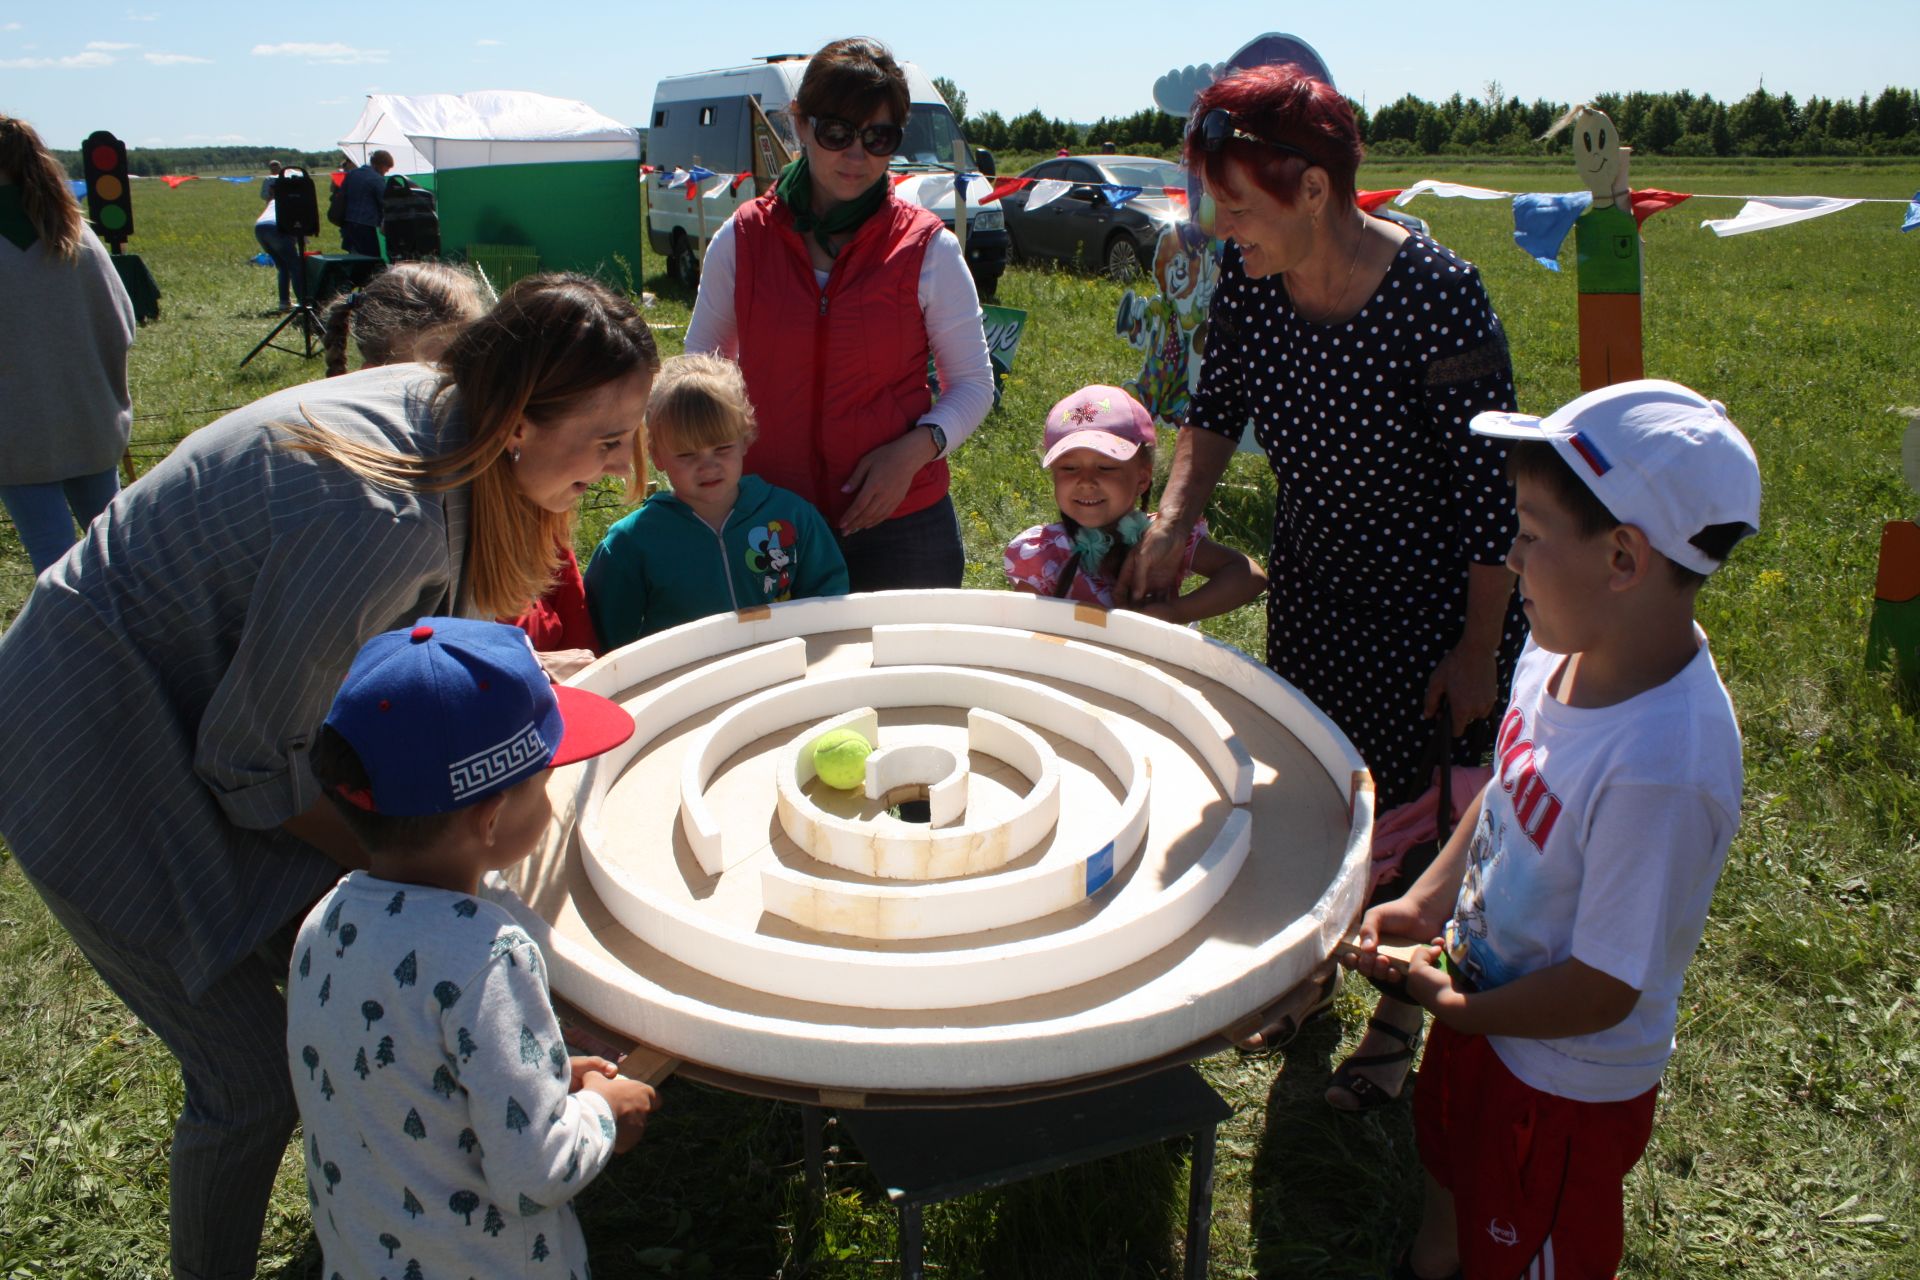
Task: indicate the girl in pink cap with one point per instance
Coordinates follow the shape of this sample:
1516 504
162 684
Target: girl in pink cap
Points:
1098 447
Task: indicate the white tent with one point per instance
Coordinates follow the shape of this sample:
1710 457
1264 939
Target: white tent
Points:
430 131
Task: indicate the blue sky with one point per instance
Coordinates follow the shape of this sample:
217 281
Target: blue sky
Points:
169 72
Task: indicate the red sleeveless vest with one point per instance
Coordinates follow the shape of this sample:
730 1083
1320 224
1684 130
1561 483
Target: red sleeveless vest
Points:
833 373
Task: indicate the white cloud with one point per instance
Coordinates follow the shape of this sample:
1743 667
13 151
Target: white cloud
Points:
75 62
9 26
142 17
172 59
110 46
337 54
206 139
489 43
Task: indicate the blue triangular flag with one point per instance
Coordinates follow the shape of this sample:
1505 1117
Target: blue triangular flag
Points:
1541 220
1118 195
1913 214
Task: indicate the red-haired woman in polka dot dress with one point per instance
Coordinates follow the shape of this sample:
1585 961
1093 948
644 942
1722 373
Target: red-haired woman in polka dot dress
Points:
1359 351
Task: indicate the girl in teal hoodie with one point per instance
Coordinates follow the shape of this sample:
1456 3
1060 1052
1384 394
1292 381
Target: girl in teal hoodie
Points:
718 541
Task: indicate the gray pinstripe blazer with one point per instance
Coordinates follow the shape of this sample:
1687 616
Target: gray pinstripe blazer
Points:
160 689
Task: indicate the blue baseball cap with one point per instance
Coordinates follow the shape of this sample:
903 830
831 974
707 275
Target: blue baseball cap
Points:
452 710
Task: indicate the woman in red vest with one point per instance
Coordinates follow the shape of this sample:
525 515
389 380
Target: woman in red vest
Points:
831 293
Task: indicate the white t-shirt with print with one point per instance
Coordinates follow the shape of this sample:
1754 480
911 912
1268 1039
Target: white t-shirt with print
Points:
1600 839
439 1135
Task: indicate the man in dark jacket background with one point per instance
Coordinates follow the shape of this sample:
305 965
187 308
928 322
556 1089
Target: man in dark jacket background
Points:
365 190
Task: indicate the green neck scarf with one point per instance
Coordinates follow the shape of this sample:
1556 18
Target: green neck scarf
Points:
13 219
795 190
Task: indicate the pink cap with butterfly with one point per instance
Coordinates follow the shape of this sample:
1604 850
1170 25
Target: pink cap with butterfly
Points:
1105 419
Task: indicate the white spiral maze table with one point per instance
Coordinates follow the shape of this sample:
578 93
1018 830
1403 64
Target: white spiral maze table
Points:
1139 838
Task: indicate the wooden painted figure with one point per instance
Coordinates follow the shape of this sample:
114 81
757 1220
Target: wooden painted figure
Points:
1893 634
1606 243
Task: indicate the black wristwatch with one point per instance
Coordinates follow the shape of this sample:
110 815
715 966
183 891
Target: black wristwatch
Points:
939 439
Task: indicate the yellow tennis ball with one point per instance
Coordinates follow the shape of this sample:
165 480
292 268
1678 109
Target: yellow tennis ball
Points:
840 758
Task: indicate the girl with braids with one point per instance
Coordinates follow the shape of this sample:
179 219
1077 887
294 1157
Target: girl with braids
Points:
161 690
410 311
1099 449
65 327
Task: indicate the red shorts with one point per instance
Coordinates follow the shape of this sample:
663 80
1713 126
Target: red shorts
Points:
1536 1178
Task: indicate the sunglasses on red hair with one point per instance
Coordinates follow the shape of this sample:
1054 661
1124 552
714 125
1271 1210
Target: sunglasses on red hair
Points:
1216 128
835 134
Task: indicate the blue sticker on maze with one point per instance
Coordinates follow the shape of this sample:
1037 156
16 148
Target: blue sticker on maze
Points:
1099 869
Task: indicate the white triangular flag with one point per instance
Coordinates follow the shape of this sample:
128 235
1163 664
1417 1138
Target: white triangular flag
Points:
1776 211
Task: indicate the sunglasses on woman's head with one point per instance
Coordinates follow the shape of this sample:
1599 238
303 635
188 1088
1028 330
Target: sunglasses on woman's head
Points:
836 134
1218 126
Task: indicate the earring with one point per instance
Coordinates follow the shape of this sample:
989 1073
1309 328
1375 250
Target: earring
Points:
514 456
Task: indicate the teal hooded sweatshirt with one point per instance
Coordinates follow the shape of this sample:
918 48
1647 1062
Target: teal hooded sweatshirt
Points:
663 565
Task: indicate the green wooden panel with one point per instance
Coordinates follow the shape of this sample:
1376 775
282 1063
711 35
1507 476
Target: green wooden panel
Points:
578 217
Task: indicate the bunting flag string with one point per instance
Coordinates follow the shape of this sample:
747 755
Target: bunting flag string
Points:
1542 219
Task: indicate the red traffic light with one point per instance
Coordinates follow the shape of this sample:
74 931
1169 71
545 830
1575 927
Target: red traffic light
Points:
109 195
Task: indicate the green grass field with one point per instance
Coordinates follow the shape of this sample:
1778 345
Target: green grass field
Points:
1786 1142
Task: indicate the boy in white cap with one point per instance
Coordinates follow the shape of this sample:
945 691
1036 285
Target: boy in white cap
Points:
1574 891
446 1128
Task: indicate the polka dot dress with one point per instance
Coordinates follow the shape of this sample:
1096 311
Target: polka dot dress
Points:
1384 495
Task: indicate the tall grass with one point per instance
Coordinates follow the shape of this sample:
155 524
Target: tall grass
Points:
1785 1143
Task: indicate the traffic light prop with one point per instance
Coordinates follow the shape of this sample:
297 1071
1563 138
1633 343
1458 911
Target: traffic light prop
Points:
103 160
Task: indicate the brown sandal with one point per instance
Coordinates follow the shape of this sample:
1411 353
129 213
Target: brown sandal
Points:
1365 1093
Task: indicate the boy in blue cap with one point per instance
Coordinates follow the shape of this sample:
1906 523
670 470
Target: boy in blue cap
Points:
447 1129
1574 891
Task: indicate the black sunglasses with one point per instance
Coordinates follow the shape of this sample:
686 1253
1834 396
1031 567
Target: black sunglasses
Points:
1218 126
836 134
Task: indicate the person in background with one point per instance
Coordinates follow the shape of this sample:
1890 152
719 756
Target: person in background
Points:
831 292
1098 447
277 244
365 190
210 616
717 541
409 312
65 326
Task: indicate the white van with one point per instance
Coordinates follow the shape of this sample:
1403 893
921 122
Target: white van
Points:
702 119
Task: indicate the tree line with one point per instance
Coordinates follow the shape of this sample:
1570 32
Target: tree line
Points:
1682 123
151 162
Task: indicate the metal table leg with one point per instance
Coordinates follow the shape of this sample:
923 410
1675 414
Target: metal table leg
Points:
1200 1204
911 1265
811 1118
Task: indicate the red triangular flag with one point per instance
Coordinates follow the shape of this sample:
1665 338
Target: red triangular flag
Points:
1652 200
1005 187
1371 200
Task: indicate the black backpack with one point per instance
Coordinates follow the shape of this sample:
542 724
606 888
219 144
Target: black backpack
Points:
410 221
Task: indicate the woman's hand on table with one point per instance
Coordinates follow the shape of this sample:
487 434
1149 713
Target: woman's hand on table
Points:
562 665
880 480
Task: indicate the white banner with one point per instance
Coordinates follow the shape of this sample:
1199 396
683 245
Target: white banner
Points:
1776 211
1433 187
